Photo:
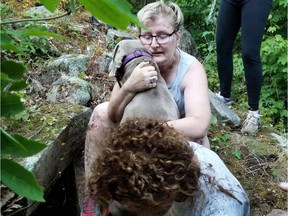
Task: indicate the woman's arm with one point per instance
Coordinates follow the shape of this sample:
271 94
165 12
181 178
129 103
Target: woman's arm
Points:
196 122
138 81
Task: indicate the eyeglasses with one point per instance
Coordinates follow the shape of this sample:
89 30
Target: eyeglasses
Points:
161 39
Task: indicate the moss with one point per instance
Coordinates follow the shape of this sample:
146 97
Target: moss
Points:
262 166
44 122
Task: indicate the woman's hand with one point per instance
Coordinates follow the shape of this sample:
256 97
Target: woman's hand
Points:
143 77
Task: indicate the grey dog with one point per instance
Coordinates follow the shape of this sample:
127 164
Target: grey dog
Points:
156 103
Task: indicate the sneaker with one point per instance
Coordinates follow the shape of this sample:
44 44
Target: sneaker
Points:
251 124
227 101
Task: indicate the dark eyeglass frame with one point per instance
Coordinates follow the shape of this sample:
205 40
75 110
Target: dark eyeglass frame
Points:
155 36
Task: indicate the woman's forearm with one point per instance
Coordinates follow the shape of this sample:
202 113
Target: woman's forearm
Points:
191 127
119 100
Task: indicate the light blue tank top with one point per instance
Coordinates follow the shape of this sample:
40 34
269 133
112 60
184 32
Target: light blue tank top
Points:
186 61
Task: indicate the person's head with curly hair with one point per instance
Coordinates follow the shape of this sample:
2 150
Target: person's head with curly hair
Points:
145 166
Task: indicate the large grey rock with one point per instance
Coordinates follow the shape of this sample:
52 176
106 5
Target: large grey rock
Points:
40 11
63 143
278 212
113 34
188 44
69 89
70 65
102 63
222 112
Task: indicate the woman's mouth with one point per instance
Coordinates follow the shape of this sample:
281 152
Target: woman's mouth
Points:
157 53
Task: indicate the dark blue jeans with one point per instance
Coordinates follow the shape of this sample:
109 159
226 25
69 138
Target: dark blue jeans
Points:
251 17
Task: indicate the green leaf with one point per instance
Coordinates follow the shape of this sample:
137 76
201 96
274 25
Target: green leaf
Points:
6 44
18 85
237 154
213 120
10 105
50 4
33 147
4 77
18 145
115 13
20 180
38 32
4 81
13 69
72 6
9 145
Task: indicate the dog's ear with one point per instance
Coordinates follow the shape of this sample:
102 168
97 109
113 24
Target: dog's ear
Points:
115 64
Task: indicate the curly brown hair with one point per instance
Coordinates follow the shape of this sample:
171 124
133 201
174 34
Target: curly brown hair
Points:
142 163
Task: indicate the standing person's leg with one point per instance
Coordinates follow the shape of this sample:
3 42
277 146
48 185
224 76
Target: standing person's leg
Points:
254 18
228 24
99 128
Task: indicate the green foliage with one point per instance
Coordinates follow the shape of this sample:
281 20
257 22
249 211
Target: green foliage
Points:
6 11
114 13
237 154
20 180
28 42
219 137
13 175
50 4
19 146
11 75
274 90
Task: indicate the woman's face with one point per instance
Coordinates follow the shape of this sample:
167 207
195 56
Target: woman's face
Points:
163 53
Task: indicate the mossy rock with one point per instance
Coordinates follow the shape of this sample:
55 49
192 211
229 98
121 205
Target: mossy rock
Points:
259 164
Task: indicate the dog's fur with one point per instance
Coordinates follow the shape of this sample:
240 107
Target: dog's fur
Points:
156 103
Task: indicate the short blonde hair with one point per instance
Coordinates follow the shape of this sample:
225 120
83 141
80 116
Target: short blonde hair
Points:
160 7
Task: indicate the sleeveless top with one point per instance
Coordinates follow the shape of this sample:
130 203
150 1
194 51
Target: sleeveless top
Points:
185 62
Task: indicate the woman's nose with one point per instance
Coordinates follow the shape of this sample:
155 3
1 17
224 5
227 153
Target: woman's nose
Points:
154 42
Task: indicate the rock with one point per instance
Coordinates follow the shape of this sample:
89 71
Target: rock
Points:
69 89
36 88
71 65
41 12
102 63
222 112
283 142
188 44
64 135
113 34
278 212
90 50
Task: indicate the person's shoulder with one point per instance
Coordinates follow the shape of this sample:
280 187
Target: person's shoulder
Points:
185 54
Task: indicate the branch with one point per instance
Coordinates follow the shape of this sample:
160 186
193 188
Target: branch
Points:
39 19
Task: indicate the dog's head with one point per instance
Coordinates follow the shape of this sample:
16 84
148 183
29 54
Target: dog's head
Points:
125 52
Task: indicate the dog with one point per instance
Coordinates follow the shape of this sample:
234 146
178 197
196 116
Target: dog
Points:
155 103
